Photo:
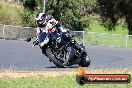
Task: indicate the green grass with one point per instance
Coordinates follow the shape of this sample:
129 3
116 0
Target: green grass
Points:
95 26
99 35
9 14
52 82
105 39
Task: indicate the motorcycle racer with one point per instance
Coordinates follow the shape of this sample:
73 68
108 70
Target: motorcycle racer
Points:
44 24
62 51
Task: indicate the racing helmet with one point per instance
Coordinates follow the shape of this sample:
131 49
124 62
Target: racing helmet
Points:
40 18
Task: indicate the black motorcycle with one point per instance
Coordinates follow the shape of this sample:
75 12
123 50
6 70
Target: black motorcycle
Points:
65 55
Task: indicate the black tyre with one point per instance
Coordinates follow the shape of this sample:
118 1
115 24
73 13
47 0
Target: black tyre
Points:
53 58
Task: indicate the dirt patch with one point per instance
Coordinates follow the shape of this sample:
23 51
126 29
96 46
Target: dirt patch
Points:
17 74
34 73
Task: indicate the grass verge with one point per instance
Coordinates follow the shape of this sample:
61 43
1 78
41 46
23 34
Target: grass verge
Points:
57 79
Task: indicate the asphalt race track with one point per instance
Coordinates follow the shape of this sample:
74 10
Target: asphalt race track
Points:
19 55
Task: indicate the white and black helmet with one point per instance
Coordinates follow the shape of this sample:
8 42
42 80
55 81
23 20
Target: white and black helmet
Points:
40 16
41 19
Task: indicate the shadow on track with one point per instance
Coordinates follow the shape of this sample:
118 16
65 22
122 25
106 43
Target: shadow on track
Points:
74 66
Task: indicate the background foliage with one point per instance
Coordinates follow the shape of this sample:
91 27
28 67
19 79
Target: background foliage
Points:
113 10
68 12
9 14
73 14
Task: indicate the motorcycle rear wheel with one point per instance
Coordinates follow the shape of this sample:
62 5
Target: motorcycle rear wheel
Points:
85 62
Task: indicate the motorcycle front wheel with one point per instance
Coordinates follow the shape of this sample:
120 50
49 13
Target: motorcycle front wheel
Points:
53 58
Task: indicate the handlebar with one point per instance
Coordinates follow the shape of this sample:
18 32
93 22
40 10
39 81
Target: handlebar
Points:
35 42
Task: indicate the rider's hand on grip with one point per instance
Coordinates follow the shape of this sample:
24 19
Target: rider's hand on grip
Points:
36 41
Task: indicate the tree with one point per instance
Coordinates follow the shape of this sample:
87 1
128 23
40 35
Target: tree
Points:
67 12
27 14
112 10
30 4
